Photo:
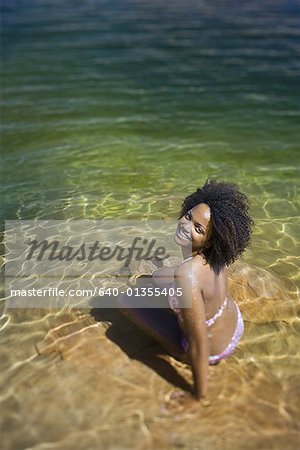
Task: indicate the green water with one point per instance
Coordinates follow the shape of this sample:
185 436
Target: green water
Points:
122 108
119 109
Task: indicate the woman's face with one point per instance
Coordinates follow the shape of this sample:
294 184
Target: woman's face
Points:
194 228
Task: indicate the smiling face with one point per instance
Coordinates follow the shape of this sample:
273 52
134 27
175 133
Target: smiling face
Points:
194 228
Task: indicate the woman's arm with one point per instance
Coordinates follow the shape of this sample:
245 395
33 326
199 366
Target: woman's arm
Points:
193 316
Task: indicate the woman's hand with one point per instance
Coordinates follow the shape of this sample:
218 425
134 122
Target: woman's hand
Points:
181 401
186 396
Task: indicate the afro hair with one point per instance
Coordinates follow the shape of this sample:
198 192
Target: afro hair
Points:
230 220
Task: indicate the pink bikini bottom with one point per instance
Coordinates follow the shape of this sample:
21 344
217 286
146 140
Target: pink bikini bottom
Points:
214 359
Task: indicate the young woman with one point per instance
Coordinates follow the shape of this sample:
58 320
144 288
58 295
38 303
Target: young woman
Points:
214 228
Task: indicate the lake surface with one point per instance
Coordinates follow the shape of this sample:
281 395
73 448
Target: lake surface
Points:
119 110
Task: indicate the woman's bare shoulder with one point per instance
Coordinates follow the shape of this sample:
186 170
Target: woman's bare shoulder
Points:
191 268
184 270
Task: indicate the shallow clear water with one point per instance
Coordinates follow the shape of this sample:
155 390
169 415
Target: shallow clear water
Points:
120 109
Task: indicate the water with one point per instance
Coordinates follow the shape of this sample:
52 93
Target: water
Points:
120 109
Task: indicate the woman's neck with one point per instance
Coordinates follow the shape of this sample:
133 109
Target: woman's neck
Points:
187 252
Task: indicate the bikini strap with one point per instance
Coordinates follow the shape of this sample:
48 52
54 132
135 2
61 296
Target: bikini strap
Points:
212 320
186 259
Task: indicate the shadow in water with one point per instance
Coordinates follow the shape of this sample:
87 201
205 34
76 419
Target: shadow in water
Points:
140 345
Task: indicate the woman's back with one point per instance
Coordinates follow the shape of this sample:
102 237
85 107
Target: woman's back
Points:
220 311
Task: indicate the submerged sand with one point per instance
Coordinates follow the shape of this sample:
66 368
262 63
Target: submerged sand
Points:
89 379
